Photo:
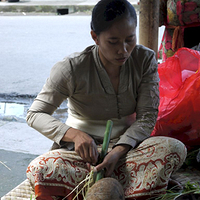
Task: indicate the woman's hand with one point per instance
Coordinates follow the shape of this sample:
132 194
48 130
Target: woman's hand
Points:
112 158
85 146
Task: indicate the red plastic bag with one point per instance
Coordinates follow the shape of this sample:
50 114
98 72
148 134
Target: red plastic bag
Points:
179 109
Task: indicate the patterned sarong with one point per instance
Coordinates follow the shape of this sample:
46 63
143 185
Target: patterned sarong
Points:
143 172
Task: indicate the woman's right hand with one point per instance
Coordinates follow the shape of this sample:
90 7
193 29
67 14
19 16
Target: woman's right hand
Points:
85 146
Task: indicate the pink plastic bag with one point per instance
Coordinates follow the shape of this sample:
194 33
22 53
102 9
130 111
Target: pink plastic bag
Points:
179 109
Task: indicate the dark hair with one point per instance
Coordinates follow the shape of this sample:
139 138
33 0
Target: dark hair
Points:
106 12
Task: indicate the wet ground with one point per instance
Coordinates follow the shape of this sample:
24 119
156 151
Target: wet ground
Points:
15 107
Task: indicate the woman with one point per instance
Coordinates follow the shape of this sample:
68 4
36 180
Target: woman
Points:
114 79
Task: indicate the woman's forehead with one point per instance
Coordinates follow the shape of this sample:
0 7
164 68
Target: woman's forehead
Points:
124 27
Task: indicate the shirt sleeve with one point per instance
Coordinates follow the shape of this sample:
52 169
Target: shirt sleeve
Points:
57 88
146 108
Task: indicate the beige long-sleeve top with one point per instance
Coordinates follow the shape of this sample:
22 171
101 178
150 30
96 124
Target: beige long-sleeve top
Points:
83 81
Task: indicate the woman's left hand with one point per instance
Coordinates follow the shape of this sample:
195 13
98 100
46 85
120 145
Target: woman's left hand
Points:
112 158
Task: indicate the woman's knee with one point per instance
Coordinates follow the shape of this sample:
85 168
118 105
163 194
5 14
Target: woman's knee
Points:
171 148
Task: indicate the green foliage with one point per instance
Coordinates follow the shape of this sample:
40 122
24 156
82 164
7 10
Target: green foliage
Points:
192 187
189 187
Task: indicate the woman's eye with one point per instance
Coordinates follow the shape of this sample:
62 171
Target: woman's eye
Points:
112 42
129 41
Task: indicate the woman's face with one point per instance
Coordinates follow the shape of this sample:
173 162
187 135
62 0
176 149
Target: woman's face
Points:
116 43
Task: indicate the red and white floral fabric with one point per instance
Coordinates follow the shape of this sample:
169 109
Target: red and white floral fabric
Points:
143 172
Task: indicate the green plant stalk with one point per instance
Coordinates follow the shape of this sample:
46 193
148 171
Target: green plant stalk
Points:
31 198
189 188
104 149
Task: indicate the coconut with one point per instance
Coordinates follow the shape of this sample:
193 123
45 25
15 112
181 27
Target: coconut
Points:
106 189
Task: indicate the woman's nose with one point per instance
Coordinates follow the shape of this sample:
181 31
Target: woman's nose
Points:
122 49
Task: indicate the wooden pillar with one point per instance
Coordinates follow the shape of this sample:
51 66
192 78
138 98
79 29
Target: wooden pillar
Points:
149 24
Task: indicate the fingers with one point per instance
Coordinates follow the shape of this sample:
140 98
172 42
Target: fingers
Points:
93 154
100 167
87 151
108 163
108 170
107 166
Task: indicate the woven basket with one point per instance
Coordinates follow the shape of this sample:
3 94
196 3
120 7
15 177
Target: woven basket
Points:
21 192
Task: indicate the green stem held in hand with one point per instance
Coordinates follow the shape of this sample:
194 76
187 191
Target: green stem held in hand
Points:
104 150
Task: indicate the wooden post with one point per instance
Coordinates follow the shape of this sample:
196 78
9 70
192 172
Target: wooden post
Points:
149 24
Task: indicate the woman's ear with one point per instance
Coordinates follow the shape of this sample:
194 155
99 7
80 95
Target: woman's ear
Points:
94 37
